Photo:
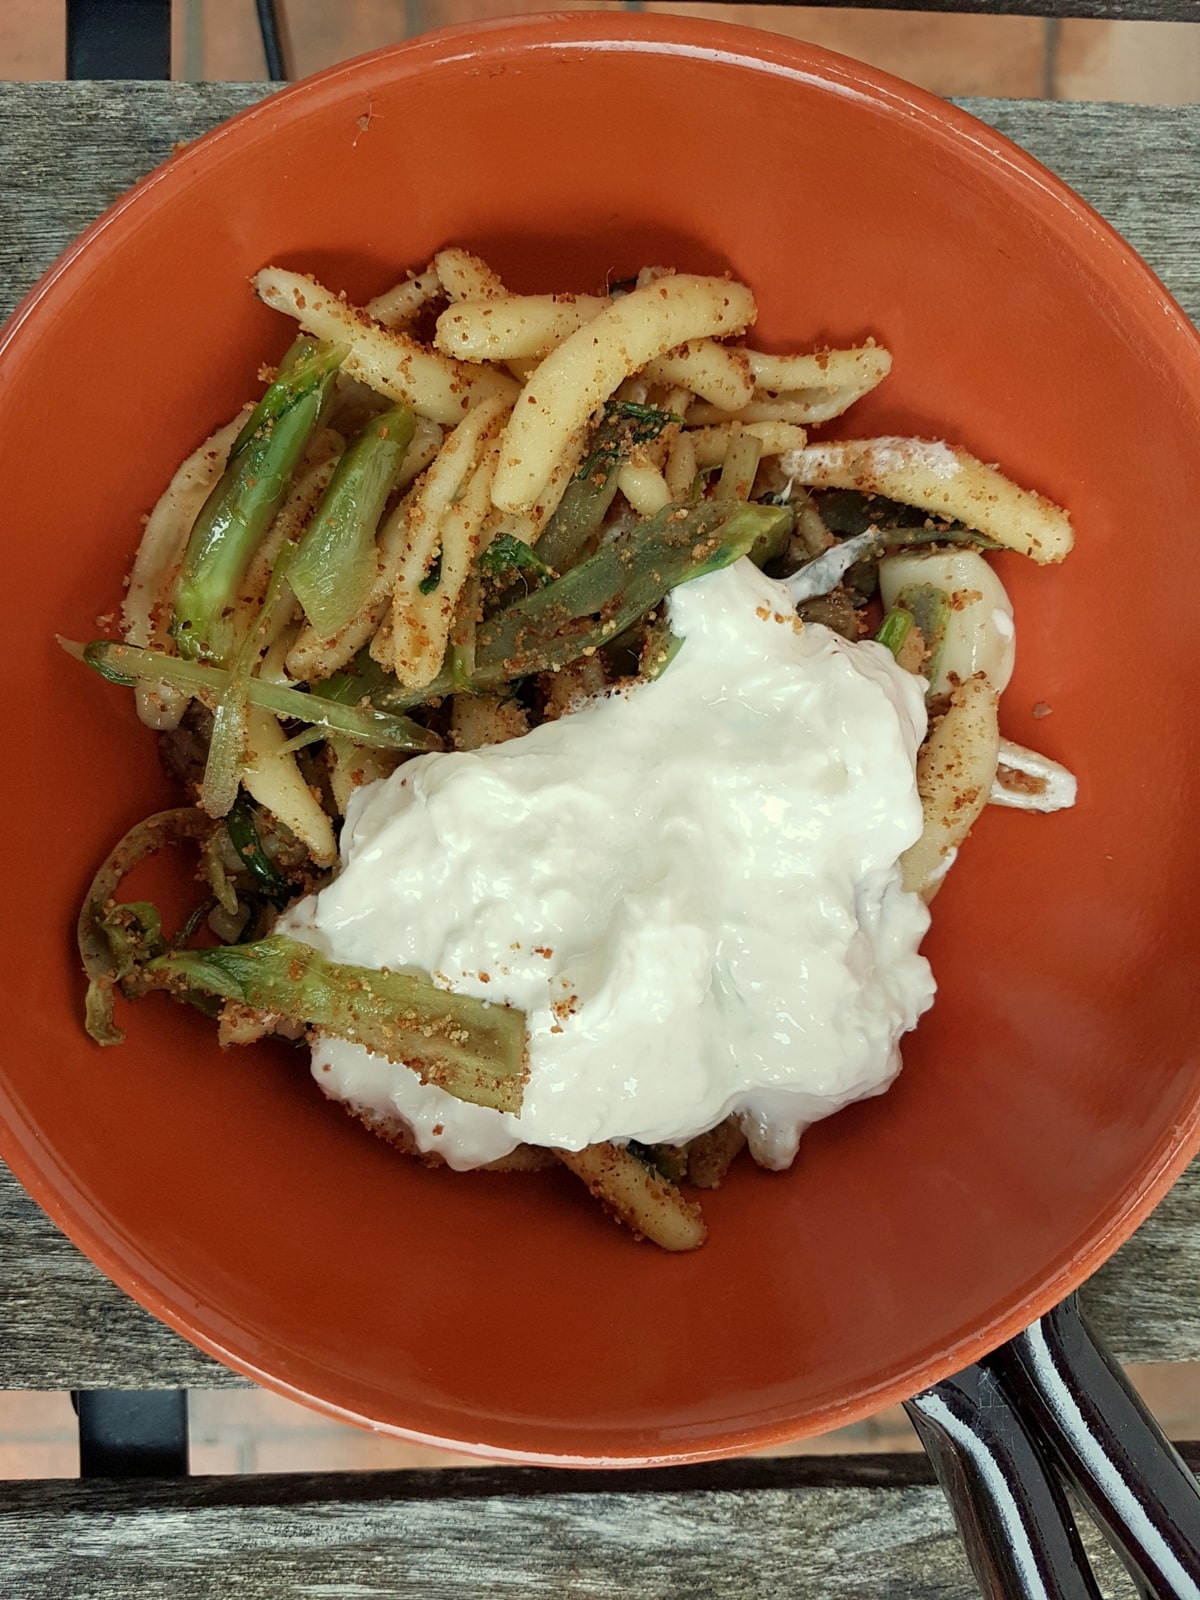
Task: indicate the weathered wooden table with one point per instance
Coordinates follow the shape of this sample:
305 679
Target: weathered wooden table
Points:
844 1527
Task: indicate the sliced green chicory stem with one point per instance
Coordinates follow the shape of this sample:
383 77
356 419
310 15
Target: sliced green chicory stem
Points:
227 745
627 577
231 718
460 656
811 532
472 1050
244 837
581 511
276 400
126 663
302 740
659 648
506 557
242 505
100 964
576 523
335 567
849 511
896 627
740 467
214 869
929 608
623 428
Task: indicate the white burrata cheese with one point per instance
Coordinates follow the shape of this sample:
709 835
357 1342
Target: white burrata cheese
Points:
690 887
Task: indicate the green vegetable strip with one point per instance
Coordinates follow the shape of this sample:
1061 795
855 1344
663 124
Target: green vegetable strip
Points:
590 493
126 663
276 399
506 554
897 626
741 466
460 657
242 505
231 719
244 837
597 600
622 429
335 567
659 649
95 948
227 746
473 1050
577 520
930 611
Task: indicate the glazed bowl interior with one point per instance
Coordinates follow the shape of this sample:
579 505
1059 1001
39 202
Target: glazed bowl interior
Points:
1050 1095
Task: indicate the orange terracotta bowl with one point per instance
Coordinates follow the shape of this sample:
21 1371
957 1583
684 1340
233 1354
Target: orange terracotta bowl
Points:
1051 1095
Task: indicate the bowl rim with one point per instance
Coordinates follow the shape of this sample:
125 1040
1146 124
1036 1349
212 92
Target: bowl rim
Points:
740 47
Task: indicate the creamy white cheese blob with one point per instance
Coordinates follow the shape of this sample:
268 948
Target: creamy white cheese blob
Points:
690 887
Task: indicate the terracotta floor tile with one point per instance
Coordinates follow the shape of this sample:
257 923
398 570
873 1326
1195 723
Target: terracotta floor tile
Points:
1171 1389
951 55
212 1413
217 1460
38 1459
216 41
347 1450
1145 62
33 39
38 1414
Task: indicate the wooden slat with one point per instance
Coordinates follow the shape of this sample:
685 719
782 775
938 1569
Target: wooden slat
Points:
62 1325
736 1531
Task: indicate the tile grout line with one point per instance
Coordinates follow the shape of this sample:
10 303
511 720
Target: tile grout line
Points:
1053 37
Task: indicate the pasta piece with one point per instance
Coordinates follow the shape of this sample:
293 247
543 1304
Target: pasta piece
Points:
465 276
645 488
587 368
400 305
717 373
861 368
145 613
438 491
638 1196
481 719
421 622
528 526
386 360
351 765
978 633
682 466
570 685
1026 780
943 480
801 388
711 1154
956 768
711 445
470 281
514 327
275 781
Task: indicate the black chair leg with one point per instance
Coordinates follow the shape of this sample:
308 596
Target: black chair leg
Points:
118 38
132 1433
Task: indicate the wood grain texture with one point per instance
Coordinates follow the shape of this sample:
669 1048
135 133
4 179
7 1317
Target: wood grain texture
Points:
66 151
459 1535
